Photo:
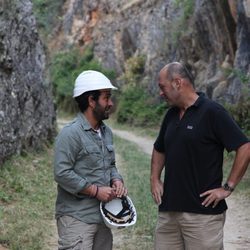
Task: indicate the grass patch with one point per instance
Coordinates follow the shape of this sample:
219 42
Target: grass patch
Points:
27 201
135 168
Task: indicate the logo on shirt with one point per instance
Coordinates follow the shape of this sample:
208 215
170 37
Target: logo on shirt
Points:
189 127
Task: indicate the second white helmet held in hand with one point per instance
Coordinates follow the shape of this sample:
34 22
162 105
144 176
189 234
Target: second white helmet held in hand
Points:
119 212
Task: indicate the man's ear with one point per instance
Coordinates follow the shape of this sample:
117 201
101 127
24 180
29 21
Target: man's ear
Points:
176 83
91 101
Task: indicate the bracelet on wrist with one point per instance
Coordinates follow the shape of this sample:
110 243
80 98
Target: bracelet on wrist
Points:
96 192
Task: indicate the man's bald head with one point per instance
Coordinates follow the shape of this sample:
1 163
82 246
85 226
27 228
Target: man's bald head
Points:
175 68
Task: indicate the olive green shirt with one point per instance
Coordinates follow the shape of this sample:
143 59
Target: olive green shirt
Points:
82 158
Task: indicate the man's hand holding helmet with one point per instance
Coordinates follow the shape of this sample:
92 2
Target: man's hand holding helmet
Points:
119 188
101 193
105 194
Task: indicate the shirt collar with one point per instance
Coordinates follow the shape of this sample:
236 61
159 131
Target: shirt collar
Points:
85 123
199 99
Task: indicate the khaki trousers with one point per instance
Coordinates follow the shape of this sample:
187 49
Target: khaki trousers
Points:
189 231
77 235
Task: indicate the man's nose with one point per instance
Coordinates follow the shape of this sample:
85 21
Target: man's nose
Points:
111 103
161 93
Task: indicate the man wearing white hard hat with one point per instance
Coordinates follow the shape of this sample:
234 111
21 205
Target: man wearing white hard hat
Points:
84 167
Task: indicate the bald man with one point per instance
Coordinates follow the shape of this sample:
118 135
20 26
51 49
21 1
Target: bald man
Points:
190 145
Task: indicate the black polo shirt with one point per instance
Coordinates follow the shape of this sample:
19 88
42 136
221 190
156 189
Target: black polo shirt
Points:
193 148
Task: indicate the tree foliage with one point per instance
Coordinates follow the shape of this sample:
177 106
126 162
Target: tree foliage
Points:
136 106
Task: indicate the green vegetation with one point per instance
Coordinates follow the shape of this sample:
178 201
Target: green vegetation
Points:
241 113
241 110
46 13
135 168
136 106
181 24
244 78
27 196
65 67
187 7
134 69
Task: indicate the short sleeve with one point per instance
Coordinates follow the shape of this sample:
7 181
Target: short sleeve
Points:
227 130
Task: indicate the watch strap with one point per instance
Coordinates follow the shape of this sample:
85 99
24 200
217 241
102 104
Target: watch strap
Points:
227 187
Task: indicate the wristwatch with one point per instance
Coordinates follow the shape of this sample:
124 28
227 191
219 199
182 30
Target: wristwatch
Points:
227 187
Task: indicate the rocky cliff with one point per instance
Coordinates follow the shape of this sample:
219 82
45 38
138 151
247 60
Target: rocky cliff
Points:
27 115
211 35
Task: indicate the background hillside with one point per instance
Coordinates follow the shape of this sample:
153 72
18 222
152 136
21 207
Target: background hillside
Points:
212 36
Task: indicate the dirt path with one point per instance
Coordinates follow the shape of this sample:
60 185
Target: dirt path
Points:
237 226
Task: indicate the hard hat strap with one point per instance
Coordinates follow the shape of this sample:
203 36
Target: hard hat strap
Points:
124 216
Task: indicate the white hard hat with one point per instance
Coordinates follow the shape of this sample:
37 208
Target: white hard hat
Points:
118 213
91 80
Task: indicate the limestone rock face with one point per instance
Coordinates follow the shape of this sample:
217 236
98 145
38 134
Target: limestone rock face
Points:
27 114
211 35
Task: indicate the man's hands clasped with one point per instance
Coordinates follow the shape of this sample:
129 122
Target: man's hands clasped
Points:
109 193
106 193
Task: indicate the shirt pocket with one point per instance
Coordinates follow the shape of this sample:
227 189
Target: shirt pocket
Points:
90 153
93 151
110 154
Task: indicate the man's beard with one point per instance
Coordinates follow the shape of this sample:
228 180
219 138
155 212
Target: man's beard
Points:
100 113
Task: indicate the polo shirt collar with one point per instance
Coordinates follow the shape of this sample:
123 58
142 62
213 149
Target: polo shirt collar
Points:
199 99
